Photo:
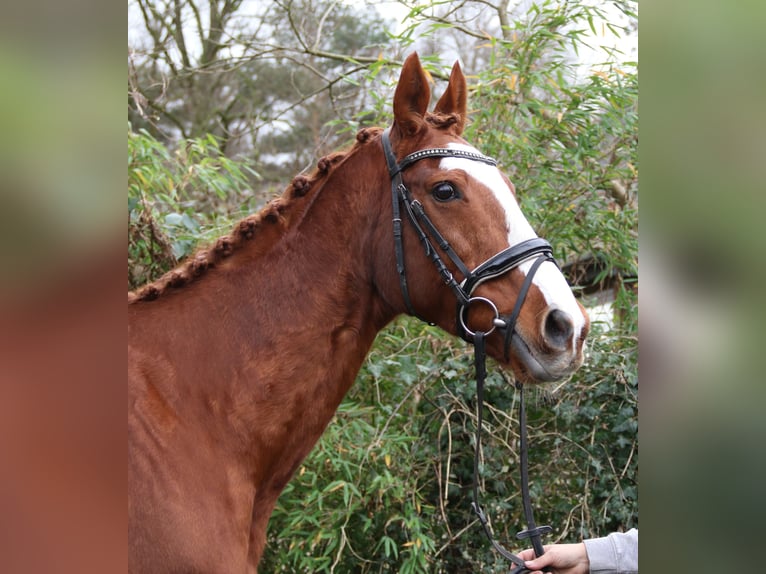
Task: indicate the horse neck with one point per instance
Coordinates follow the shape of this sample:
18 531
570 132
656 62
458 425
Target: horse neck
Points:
271 341
319 288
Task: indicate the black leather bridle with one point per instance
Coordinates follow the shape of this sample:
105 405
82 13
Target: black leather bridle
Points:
428 234
497 265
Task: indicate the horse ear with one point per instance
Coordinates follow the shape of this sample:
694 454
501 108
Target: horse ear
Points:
453 100
411 97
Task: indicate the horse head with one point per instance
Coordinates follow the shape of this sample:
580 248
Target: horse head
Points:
465 256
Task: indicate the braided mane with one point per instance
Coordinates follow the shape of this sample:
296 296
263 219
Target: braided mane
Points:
268 225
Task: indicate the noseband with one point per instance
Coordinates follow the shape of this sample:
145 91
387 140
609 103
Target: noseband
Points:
497 265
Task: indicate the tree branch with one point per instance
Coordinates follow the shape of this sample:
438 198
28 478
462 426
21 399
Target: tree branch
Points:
178 33
322 20
160 44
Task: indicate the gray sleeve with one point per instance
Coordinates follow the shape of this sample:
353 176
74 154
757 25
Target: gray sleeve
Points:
614 554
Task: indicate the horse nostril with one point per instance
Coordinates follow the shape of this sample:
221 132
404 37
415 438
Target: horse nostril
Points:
558 329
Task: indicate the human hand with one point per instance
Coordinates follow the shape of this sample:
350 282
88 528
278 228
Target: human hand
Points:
558 559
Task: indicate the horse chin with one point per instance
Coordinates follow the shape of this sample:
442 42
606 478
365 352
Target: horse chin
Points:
526 366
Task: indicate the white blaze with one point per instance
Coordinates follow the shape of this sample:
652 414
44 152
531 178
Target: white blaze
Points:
548 278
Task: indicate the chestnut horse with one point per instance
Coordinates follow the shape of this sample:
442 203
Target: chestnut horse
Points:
238 358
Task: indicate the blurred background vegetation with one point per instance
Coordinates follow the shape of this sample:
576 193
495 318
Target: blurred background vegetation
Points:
229 99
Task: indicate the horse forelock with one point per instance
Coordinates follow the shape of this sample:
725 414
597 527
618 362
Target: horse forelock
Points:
442 121
276 215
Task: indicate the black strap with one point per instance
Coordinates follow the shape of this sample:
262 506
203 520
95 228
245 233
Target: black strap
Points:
510 327
506 260
481 373
440 152
419 212
533 532
417 216
397 222
499 264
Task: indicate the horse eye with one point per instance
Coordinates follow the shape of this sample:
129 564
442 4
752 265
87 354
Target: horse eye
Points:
444 191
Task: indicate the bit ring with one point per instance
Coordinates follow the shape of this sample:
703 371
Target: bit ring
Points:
496 321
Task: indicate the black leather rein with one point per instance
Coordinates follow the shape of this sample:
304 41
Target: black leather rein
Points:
495 266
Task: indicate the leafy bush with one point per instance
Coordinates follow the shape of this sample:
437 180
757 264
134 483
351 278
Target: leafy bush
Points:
388 487
170 207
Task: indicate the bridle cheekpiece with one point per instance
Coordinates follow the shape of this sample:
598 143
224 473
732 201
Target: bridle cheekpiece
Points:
428 234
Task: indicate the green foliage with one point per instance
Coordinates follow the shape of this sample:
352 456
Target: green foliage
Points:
568 144
387 489
170 207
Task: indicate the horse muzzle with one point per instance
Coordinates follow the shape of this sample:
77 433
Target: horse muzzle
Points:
550 350
531 364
